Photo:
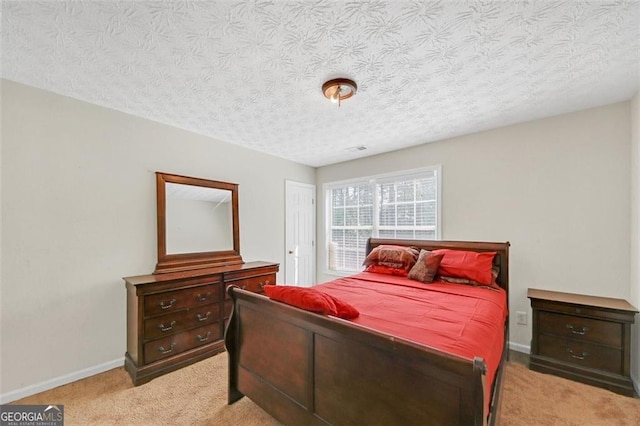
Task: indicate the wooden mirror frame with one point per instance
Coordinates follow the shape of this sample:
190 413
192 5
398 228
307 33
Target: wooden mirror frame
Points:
185 261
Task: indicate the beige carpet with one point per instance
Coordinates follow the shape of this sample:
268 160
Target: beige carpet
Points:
196 395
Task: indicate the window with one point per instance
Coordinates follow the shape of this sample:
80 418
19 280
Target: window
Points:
402 206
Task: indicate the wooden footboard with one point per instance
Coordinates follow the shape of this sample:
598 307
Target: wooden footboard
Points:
304 368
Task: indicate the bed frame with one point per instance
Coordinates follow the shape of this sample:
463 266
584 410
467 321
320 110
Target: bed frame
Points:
304 368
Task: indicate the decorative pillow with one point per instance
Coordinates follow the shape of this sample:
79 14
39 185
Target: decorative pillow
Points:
471 265
396 257
345 310
378 269
426 266
305 298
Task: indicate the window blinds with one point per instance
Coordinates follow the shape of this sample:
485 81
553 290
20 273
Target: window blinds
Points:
400 206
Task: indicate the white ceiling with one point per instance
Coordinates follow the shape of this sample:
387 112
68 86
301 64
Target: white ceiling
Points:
250 72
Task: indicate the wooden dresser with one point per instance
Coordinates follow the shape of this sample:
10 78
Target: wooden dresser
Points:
583 338
178 318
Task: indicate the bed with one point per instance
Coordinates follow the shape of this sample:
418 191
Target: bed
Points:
306 368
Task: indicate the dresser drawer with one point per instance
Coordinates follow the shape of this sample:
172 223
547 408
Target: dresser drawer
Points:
580 328
168 324
171 301
581 353
172 345
254 284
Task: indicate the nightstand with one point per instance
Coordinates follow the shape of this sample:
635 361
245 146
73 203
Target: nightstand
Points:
582 338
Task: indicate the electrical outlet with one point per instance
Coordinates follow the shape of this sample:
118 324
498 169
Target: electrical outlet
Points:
521 318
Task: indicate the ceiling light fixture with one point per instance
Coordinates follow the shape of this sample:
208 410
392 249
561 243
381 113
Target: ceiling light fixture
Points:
339 89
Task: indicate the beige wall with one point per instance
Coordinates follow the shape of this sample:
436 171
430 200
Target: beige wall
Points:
557 189
78 214
635 234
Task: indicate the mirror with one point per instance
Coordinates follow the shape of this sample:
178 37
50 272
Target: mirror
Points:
197 223
197 219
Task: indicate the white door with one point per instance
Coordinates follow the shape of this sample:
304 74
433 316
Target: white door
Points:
300 230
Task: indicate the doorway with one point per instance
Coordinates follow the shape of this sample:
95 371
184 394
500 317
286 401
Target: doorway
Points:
300 233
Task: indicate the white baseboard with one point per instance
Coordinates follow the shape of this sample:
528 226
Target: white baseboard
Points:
519 348
59 381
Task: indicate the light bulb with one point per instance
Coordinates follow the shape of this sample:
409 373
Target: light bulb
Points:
335 97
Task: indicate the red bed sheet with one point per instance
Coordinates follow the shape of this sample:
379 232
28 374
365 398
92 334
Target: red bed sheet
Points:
455 318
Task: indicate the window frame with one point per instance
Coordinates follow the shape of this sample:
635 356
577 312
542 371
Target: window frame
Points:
377 179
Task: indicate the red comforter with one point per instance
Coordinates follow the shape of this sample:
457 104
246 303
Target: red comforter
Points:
455 318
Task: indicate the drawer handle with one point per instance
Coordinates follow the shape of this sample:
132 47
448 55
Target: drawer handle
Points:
171 303
262 285
204 338
203 317
162 327
580 332
202 298
162 350
583 356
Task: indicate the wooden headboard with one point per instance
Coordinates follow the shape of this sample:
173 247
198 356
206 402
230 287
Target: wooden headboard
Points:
501 260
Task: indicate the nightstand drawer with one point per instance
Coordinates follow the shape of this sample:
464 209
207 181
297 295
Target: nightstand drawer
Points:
171 301
581 353
580 328
165 325
169 346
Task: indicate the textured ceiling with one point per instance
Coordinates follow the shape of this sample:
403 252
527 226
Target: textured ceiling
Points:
250 72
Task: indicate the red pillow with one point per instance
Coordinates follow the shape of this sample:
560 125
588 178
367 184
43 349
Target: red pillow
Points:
305 298
311 300
467 264
379 269
345 310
